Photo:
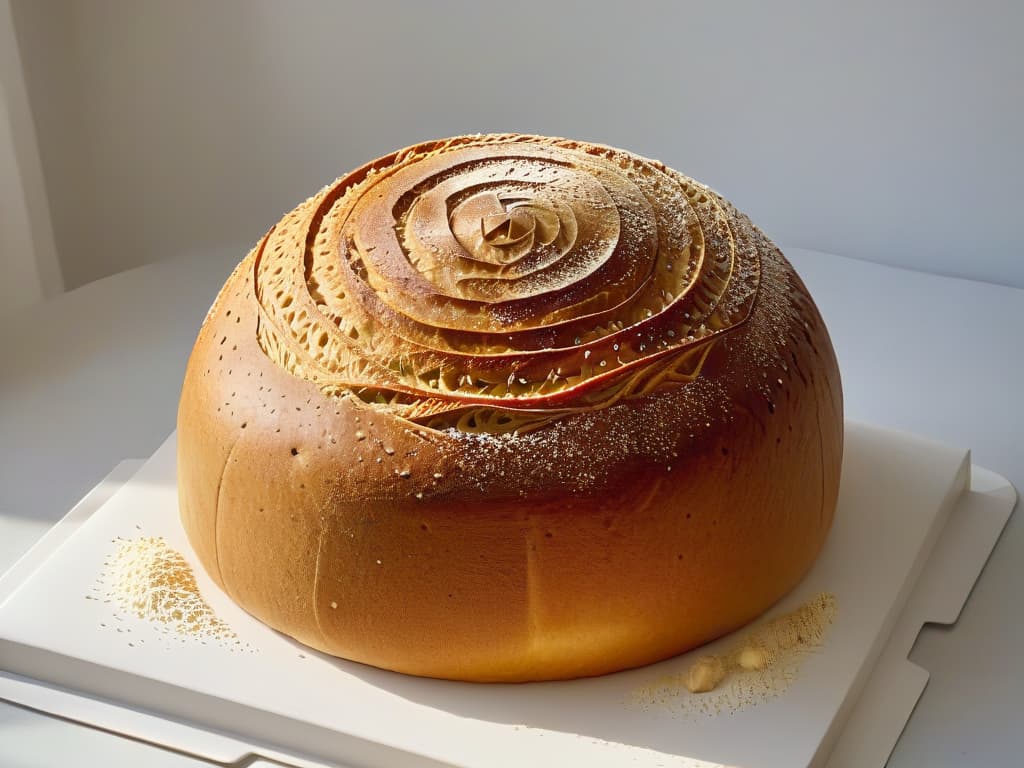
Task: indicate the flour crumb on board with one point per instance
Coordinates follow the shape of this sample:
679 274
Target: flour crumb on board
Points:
757 667
145 578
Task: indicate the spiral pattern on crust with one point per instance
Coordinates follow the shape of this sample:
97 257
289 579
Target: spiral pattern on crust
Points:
494 283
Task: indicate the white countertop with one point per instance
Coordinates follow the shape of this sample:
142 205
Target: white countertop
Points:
92 377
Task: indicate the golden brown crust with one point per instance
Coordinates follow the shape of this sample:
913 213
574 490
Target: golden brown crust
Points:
608 537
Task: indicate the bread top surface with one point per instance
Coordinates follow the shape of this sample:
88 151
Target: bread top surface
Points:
496 283
640 382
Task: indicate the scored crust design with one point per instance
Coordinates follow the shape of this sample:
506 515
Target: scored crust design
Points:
495 283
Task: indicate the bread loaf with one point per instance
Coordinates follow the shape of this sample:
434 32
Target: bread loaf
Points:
510 408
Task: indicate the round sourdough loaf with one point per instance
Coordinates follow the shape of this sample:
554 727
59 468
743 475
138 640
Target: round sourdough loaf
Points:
509 408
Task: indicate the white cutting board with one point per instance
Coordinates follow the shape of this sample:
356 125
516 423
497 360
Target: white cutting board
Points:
897 492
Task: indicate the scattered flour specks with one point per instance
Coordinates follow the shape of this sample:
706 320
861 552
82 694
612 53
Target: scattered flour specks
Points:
145 578
759 666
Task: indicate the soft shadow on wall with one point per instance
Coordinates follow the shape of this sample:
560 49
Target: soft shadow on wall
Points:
877 130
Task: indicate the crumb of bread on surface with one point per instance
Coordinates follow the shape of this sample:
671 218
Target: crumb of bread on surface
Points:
760 665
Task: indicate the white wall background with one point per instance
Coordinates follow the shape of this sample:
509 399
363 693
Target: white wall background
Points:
889 131
29 270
